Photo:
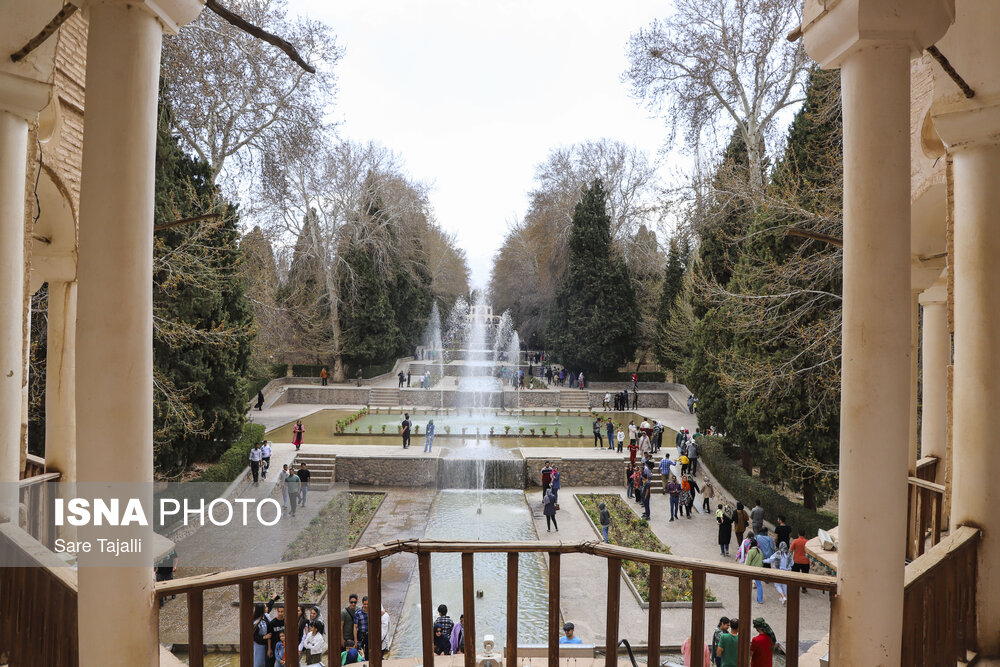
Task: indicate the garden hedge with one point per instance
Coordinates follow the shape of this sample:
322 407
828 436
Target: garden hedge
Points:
235 459
746 488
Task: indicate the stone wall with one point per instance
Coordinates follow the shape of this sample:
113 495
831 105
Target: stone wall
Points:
608 471
326 395
386 471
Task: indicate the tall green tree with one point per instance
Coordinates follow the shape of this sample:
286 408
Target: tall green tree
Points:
593 327
671 288
203 323
370 333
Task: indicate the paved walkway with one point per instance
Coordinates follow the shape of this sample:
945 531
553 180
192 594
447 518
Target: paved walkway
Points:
584 578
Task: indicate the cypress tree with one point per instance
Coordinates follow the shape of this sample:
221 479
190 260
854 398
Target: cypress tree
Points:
670 290
593 327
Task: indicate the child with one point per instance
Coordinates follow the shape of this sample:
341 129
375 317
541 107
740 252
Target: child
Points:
279 650
350 654
620 438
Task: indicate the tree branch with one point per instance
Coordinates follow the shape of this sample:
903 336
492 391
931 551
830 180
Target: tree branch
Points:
259 33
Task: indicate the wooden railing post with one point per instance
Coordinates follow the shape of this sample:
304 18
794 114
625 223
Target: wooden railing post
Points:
698 618
746 624
469 608
792 627
512 565
655 613
614 607
333 600
426 607
246 623
375 612
554 558
291 621
196 629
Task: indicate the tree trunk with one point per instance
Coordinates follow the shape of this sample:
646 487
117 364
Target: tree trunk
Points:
746 459
809 494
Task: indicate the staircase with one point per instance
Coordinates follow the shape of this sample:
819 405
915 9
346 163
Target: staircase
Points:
574 399
383 397
416 370
321 467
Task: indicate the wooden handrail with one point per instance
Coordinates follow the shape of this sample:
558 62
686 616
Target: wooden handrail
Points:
365 554
924 484
39 479
939 553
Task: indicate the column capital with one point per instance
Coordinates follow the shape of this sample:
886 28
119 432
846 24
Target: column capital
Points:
835 29
172 14
934 296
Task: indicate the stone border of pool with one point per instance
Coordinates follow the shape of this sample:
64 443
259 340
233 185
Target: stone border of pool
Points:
628 580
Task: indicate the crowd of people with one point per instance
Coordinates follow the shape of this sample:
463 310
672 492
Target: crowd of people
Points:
272 632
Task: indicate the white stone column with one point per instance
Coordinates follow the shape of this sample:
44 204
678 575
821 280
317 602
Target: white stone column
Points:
976 456
13 159
936 359
875 401
914 440
60 381
115 303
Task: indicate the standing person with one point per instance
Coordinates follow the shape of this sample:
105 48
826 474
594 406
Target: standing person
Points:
405 430
260 400
611 435
607 400
729 647
598 438
635 398
740 522
549 509
782 532
347 619
580 381
605 520
429 438
687 495
690 402
645 445
407 377
693 456
629 472
707 493
720 629
679 440
632 449
556 483
444 620
762 646
164 571
755 558
275 628
674 489
620 438
546 478
685 463
800 559
292 486
687 649
645 489
260 635
297 432
693 483
265 458
314 643
666 465
572 380
384 625
757 517
361 628
255 456
427 379
402 378
633 436
725 521
304 476
458 636
782 558
323 375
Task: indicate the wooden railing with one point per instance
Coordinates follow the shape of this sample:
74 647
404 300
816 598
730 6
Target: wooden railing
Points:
37 602
939 603
925 502
194 588
34 495
33 466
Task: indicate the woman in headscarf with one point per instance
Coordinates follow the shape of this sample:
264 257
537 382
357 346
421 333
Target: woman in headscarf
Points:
782 558
458 636
725 521
762 646
297 432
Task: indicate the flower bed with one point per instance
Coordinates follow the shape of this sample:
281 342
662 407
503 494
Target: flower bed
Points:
326 533
630 530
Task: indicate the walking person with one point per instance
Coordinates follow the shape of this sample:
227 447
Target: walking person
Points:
556 483
629 471
429 438
740 522
674 489
800 559
756 559
692 454
632 449
644 491
405 429
297 432
707 493
549 509
323 375
546 478
598 437
260 400
757 517
605 521
282 476
782 560
690 403
407 377
402 378
304 476
766 546
255 456
265 458
579 381
725 521
666 465
292 486
611 435
782 532
762 646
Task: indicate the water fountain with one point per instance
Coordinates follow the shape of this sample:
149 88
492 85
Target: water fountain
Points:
432 342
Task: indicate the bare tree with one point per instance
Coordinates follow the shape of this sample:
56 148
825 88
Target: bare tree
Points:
715 60
232 96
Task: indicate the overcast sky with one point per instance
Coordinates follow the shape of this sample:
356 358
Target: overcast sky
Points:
473 94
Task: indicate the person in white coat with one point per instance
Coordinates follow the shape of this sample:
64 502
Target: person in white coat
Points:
782 559
313 643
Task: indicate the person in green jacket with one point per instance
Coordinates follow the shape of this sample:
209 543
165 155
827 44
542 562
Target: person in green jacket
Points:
729 648
755 558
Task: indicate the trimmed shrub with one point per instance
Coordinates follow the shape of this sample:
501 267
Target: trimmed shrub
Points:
747 489
235 459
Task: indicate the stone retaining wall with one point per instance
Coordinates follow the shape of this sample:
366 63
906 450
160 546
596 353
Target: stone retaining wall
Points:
578 472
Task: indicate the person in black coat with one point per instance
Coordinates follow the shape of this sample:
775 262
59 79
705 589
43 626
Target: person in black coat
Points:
725 521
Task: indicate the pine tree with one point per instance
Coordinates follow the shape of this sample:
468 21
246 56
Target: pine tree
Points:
593 327
370 334
670 290
203 321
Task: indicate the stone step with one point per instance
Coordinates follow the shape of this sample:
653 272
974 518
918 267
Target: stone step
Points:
383 397
574 399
